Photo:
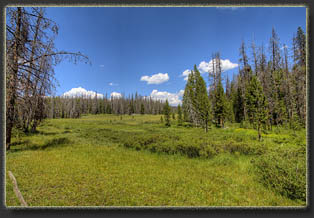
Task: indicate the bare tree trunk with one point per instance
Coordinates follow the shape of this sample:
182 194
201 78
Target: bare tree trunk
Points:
12 80
16 189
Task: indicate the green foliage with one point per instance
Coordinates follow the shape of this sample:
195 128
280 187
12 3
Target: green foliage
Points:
238 105
131 108
278 95
188 95
167 110
220 107
256 104
284 170
179 116
196 105
142 109
108 109
200 101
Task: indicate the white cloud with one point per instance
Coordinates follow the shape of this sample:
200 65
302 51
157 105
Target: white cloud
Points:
81 92
186 74
173 98
115 95
113 84
156 78
208 66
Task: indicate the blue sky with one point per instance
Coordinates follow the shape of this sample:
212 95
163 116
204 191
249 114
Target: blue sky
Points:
126 43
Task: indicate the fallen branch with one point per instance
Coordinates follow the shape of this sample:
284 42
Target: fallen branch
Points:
16 190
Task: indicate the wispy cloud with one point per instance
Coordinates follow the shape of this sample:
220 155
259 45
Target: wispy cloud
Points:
113 84
156 78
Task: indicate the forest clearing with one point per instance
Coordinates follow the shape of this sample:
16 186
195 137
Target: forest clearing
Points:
213 117
134 160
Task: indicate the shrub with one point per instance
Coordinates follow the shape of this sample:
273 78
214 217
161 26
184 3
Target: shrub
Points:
284 170
187 124
208 152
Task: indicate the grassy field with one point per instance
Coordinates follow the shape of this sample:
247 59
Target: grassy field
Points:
109 160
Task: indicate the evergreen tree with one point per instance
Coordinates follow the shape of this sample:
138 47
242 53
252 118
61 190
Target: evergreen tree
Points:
238 105
131 107
142 109
188 96
167 113
179 115
173 116
108 109
279 111
220 109
201 102
256 104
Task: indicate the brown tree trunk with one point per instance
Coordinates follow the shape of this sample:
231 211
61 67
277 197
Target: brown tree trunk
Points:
12 83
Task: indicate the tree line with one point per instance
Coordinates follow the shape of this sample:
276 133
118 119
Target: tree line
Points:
265 92
74 107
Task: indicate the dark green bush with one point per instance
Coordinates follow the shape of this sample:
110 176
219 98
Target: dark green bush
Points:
284 170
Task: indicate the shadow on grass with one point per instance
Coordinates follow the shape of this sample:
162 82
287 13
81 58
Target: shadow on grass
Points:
38 132
54 143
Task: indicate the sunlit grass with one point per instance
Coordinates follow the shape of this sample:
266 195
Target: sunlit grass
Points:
74 162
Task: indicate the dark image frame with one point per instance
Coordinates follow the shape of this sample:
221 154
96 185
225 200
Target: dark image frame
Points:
161 211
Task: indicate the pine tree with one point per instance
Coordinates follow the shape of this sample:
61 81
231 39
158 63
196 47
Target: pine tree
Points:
142 109
279 112
179 116
256 104
131 107
187 104
167 114
238 105
220 110
108 109
201 102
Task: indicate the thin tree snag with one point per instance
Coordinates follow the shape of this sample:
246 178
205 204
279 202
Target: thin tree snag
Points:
16 190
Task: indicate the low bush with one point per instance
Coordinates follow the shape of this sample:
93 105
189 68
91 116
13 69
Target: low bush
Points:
284 170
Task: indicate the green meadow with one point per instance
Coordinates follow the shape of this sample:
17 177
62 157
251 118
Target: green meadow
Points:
135 160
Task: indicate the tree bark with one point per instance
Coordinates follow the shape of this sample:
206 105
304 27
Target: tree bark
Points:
12 95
